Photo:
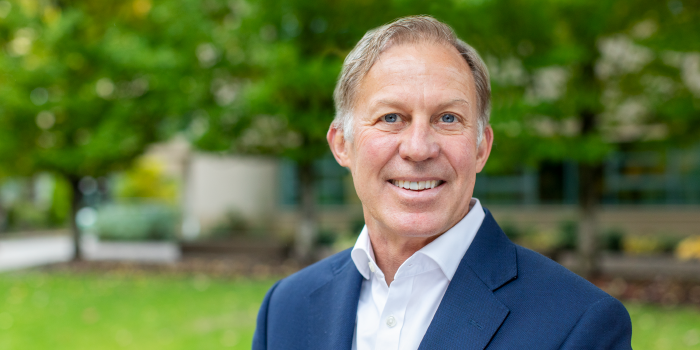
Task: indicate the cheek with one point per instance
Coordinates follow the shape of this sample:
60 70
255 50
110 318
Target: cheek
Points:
461 153
374 150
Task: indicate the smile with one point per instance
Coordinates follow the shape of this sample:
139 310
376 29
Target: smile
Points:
416 185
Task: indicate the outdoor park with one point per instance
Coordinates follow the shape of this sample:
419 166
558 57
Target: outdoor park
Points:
164 162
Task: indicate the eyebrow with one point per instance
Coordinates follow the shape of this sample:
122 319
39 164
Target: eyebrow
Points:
443 105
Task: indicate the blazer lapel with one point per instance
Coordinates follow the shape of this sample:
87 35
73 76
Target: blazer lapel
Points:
333 309
469 313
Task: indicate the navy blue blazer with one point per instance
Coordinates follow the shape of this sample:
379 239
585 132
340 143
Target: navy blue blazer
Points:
502 296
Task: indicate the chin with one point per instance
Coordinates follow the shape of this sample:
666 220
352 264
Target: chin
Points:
419 225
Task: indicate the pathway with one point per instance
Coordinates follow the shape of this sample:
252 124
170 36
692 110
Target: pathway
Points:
19 253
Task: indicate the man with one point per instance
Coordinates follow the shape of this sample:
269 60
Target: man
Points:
431 269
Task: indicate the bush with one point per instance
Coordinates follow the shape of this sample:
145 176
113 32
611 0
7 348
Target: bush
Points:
233 224
649 244
326 238
142 221
612 240
26 216
568 235
689 248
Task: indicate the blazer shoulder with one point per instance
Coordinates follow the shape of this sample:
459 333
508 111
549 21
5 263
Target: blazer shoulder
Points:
549 304
312 277
546 275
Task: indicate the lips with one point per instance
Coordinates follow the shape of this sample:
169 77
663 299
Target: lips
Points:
416 185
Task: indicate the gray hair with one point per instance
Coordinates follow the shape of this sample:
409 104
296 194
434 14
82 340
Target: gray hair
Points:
406 30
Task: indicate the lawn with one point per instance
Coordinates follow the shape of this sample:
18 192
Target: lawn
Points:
664 327
112 311
116 310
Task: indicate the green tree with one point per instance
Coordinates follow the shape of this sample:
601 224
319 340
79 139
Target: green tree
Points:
577 80
572 80
85 86
285 57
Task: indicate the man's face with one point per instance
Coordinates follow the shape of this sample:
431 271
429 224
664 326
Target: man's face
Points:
416 127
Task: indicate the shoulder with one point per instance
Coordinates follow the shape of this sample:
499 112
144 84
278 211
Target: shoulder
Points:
285 310
555 305
312 277
543 276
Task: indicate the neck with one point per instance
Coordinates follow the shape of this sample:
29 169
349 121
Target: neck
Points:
390 251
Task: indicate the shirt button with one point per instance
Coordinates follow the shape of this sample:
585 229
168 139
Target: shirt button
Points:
391 321
372 267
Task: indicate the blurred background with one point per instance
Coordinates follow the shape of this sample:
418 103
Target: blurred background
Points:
163 162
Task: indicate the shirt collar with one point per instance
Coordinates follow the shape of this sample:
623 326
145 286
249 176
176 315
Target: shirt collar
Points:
363 254
447 250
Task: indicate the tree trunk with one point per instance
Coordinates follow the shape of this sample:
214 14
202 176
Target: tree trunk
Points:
308 224
76 200
590 193
590 184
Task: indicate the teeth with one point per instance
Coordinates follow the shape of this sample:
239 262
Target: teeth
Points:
416 185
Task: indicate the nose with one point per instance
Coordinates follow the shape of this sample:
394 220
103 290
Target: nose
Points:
418 142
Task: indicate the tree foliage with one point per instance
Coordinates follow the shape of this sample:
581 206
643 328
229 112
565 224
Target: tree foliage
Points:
572 80
629 65
86 86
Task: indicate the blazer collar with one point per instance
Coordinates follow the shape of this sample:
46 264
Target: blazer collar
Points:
492 255
467 318
469 313
333 307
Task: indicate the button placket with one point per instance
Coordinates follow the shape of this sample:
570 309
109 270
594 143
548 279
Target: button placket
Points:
393 313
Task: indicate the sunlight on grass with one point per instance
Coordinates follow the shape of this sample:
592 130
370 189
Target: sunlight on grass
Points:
664 327
117 310
65 311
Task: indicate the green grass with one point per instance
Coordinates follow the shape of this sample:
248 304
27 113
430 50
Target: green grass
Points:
40 310
70 311
664 327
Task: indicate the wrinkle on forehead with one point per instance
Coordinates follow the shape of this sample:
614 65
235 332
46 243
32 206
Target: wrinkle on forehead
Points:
403 67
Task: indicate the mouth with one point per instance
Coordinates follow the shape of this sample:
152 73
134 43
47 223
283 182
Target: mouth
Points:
416 185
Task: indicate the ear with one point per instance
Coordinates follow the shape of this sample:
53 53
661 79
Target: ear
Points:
339 146
484 150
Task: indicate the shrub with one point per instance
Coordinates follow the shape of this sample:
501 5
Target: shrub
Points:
689 248
568 235
136 221
612 240
326 238
27 216
232 224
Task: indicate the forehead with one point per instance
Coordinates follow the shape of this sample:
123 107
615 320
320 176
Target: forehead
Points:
418 72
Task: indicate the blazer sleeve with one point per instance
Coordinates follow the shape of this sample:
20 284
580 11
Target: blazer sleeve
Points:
260 335
605 325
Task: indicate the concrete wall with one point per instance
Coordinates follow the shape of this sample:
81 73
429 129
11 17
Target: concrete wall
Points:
216 185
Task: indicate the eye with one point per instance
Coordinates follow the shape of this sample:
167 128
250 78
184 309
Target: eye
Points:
448 118
391 118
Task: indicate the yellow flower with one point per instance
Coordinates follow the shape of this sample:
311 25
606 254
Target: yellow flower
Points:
689 248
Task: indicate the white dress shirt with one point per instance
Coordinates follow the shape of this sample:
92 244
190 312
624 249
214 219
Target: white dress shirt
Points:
397 316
